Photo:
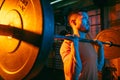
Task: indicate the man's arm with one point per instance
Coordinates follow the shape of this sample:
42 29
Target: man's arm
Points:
65 49
65 52
69 52
77 59
100 60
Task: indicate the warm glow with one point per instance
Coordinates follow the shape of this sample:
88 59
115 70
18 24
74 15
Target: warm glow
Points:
16 56
11 18
9 37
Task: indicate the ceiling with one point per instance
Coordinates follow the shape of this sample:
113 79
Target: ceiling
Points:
65 5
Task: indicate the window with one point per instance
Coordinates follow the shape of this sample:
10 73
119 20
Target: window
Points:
95 24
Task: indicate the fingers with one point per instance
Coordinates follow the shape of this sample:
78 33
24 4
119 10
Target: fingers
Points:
97 42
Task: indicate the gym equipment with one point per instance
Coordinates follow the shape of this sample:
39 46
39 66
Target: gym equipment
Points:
113 36
26 30
27 34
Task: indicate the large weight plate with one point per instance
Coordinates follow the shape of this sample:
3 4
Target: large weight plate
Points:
110 35
23 55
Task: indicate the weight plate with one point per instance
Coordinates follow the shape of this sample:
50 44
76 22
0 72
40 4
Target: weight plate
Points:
109 35
10 44
23 53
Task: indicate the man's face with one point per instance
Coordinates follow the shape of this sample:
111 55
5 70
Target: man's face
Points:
85 27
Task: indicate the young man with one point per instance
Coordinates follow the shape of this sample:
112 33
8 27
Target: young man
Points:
81 61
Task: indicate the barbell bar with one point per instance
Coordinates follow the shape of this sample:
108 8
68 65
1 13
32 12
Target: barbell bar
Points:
109 43
14 32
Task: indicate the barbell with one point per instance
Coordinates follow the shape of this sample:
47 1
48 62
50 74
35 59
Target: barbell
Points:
26 30
27 35
71 37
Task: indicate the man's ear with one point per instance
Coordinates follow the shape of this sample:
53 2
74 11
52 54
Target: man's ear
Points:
73 21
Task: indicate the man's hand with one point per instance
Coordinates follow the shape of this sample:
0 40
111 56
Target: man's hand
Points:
97 42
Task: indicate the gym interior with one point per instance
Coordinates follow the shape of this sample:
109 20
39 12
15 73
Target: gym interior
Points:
104 17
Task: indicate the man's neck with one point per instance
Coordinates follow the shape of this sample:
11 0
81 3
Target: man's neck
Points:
79 34
76 32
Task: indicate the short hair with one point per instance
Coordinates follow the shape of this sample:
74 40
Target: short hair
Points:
76 12
71 14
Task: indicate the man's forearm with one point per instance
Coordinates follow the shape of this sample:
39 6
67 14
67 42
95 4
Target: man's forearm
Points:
100 58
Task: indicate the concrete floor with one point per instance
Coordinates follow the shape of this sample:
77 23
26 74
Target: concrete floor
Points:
50 74
57 74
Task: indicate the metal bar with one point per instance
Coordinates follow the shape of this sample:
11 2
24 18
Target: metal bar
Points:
20 34
1 4
5 30
60 37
